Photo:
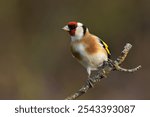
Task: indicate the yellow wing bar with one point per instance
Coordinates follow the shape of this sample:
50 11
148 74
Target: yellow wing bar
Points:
105 46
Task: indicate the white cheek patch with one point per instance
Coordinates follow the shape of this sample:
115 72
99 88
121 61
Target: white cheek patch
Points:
78 34
79 31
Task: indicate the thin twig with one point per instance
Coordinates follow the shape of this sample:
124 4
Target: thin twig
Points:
104 71
118 68
123 54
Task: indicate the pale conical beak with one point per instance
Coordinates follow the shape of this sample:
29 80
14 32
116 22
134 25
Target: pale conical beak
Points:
66 28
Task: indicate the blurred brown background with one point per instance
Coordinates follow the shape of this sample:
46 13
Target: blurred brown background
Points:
35 60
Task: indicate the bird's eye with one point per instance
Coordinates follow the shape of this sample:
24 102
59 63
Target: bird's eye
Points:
71 27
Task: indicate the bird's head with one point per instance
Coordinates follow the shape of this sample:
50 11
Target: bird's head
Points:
76 30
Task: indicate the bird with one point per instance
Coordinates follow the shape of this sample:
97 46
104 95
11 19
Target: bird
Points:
86 48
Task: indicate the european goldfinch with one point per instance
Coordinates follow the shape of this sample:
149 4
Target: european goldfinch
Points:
87 48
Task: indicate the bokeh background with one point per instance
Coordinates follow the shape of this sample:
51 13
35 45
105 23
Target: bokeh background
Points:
35 60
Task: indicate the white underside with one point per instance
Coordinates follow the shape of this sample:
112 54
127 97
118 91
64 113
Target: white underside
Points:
90 62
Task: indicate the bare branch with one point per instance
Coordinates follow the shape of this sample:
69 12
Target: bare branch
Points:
118 68
123 54
81 91
104 71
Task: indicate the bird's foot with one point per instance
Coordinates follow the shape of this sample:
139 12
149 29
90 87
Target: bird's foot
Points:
90 81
